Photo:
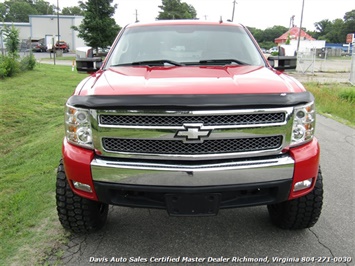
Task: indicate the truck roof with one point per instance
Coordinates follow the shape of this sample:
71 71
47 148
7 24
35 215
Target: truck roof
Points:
183 22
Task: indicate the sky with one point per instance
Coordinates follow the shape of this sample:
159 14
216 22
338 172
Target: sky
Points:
259 14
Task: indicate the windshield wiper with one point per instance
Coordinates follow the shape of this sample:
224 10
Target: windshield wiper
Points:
221 61
159 62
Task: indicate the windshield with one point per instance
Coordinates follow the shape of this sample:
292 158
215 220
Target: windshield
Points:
185 45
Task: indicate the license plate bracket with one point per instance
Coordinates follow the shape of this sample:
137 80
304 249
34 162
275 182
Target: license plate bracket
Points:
205 204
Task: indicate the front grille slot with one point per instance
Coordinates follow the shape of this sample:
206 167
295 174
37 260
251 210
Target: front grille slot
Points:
192 134
207 120
211 146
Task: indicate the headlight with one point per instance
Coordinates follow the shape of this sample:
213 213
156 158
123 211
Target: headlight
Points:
78 127
303 124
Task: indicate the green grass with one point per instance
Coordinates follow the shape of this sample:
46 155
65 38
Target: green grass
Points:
337 58
348 95
335 100
31 126
59 58
63 58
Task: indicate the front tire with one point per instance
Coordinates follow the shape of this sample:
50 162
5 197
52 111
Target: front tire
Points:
77 214
299 213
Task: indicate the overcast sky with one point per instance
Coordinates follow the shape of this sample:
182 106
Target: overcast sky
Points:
260 14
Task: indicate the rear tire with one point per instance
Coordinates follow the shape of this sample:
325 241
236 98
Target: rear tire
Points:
299 213
77 214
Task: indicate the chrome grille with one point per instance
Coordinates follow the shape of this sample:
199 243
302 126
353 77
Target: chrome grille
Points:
181 134
207 120
211 146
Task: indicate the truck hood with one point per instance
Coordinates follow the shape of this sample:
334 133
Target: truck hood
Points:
142 80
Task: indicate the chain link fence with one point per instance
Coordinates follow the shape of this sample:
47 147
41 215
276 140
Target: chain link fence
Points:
352 70
323 60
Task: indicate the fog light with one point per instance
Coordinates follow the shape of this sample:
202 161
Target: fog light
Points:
302 185
81 186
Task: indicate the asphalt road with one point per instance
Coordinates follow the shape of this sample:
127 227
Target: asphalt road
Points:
142 234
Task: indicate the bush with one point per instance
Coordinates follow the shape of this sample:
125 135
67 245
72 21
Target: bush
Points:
11 63
28 62
8 66
12 41
347 95
3 71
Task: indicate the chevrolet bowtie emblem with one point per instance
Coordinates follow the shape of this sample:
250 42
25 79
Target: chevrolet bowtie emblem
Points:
193 133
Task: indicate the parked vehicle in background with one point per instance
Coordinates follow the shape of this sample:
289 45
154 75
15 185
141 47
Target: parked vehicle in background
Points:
62 45
273 50
101 51
38 47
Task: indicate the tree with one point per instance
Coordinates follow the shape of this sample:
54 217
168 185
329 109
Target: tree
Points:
257 33
43 7
74 11
174 9
9 64
349 16
322 28
12 41
335 34
2 12
19 10
323 25
98 28
266 38
330 31
349 22
270 34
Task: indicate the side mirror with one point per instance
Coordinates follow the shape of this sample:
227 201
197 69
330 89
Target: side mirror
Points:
283 62
85 60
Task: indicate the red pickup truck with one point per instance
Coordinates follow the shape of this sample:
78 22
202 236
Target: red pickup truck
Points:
188 116
62 45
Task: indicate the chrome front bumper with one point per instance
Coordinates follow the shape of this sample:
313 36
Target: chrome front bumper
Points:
187 174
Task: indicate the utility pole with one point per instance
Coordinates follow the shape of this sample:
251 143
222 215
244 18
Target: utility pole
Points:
54 41
299 31
292 22
136 16
234 2
58 19
2 43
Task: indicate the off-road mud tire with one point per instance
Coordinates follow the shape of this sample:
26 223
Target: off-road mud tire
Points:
77 214
299 213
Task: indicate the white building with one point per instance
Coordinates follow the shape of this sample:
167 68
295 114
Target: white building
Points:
24 31
46 27
305 46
